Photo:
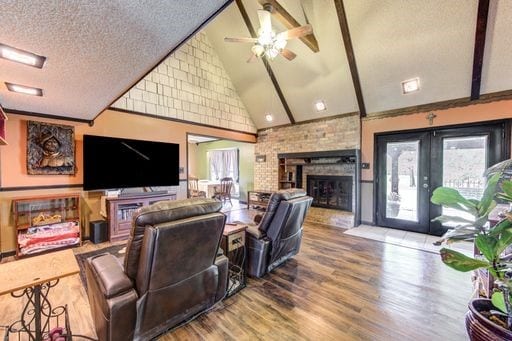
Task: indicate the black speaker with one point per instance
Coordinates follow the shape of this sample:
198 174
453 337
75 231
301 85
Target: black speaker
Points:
98 230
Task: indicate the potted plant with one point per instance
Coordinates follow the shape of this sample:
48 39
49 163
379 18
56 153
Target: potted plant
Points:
486 319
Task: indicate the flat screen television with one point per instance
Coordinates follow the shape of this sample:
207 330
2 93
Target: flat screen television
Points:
113 163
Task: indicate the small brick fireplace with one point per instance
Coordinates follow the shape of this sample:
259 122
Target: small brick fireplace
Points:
330 191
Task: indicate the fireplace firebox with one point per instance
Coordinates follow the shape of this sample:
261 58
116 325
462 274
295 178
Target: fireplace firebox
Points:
330 191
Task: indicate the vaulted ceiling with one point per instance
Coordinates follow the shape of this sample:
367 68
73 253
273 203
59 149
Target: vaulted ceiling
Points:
100 51
392 41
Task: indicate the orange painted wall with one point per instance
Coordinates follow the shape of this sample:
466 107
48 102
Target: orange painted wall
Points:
13 167
468 114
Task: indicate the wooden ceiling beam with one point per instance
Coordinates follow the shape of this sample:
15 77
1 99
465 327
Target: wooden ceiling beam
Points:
289 22
478 54
270 72
349 50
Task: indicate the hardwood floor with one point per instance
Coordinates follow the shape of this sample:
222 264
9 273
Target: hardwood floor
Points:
338 287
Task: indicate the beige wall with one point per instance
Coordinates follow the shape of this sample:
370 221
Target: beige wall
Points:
190 85
13 171
468 114
370 126
192 160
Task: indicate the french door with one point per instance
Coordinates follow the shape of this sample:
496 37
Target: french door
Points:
409 166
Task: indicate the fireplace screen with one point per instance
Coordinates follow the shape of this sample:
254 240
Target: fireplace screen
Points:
330 191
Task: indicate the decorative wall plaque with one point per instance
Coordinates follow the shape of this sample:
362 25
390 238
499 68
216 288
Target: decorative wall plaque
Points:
50 148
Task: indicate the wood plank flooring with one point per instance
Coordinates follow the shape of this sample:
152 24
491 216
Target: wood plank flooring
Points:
338 287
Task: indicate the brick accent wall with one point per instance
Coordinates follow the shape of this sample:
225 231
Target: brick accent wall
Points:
191 85
330 134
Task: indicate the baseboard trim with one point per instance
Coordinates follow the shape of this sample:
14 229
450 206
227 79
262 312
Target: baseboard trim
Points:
7 254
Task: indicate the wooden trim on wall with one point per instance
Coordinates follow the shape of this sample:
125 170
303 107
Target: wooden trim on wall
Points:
270 72
31 188
452 103
165 118
53 117
183 41
351 58
314 120
478 54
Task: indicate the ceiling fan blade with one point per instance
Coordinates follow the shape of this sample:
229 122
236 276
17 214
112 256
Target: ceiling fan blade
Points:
252 58
240 40
288 54
265 23
295 32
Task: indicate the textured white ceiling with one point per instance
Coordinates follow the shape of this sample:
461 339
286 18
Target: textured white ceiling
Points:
395 40
497 67
95 49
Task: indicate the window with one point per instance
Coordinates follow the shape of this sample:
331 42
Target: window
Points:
223 163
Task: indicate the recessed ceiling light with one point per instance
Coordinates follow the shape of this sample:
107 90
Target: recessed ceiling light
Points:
269 117
410 85
320 105
22 89
20 56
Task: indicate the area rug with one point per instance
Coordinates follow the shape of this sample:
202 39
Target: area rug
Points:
116 250
407 239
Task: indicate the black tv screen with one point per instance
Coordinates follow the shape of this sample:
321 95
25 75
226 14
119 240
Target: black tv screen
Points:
112 163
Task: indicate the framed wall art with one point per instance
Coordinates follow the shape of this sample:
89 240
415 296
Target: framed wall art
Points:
50 149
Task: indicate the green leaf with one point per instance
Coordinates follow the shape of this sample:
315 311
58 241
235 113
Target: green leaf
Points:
506 186
504 241
500 227
449 197
487 246
461 262
489 192
498 301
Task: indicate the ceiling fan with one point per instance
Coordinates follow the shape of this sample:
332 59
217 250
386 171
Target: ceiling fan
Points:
268 43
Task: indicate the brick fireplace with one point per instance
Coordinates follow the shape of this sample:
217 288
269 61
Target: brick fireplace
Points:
330 191
339 134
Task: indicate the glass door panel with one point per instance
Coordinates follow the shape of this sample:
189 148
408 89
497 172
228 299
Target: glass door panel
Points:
464 162
401 180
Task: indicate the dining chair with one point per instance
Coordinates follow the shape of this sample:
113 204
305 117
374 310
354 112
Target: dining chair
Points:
223 192
193 188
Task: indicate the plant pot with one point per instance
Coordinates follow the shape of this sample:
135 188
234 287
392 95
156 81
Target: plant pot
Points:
393 207
479 327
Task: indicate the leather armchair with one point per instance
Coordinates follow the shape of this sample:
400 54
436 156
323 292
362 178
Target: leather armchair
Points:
172 271
278 235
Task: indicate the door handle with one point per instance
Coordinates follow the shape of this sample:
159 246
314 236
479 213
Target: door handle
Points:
425 185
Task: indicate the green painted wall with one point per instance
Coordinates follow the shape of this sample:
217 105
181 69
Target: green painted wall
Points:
246 162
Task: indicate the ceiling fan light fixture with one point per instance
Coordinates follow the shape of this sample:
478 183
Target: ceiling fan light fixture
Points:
271 53
258 50
280 43
21 56
22 89
269 117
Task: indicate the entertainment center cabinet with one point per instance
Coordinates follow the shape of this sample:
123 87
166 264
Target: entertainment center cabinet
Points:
121 209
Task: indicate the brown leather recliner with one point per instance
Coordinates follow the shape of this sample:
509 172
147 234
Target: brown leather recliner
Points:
172 271
278 235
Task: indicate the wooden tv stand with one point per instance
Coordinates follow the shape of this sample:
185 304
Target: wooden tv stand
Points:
121 209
